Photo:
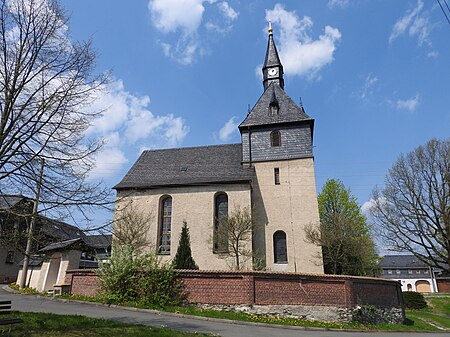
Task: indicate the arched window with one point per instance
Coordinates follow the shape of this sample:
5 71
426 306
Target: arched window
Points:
275 138
279 247
165 225
220 214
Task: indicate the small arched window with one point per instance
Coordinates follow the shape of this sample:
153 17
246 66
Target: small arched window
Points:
275 138
279 247
165 225
220 214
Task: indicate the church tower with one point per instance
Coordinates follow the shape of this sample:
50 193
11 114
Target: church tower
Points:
277 141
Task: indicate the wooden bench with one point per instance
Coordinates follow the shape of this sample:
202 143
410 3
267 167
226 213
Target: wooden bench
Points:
5 308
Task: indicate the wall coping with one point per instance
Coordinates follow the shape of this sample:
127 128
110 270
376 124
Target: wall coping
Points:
281 275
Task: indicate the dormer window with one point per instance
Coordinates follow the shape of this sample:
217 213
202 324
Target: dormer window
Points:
274 109
275 138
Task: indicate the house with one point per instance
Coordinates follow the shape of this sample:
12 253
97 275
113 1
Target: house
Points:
48 267
270 173
15 215
412 273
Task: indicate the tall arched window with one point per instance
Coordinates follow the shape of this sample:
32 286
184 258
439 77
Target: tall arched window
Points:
165 225
220 213
279 247
275 138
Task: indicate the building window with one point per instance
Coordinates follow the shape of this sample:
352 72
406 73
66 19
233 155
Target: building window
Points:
398 272
275 138
220 214
389 271
165 225
279 247
409 271
425 271
10 257
418 271
276 174
274 109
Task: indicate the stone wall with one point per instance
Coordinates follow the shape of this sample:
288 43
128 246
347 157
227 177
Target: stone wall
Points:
323 297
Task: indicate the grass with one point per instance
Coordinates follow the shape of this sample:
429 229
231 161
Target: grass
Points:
51 325
428 319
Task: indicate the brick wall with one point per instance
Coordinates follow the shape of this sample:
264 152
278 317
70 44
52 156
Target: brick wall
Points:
269 288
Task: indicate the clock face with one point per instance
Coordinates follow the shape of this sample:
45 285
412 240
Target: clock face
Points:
273 71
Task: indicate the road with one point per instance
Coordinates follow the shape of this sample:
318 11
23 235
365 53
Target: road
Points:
31 303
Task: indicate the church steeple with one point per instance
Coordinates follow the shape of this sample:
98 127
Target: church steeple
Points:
272 68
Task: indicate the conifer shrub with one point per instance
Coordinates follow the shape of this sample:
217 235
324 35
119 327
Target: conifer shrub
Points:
183 258
414 300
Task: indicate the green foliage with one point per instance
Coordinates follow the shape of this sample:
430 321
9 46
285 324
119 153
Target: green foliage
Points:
347 246
141 279
414 300
183 258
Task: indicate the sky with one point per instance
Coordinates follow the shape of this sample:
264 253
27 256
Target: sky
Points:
374 74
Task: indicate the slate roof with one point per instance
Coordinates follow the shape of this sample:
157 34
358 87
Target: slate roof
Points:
401 261
9 201
272 58
98 241
187 166
60 245
57 229
288 111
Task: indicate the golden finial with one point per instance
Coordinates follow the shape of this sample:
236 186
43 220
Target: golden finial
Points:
270 27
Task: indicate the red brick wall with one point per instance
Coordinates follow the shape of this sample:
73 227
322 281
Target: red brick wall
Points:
220 287
443 285
82 281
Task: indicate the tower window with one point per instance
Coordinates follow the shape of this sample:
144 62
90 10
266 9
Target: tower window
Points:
165 225
279 247
275 138
220 214
276 174
274 109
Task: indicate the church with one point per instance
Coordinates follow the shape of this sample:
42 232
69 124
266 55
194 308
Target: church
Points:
270 174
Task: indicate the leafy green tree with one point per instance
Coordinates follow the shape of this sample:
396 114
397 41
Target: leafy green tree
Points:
183 258
343 233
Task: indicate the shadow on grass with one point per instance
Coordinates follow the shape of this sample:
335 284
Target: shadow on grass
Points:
408 322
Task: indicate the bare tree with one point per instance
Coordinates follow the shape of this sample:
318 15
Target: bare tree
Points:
46 88
412 211
234 234
131 229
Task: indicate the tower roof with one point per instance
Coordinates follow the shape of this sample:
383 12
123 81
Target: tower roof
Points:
289 112
272 58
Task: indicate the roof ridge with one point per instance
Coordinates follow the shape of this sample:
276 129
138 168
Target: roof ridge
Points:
191 147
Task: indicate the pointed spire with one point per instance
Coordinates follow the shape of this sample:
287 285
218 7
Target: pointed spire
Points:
272 68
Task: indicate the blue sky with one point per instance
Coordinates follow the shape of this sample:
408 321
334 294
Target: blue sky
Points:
375 75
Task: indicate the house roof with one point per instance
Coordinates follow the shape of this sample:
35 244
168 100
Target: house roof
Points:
60 245
58 230
33 262
9 201
401 261
288 111
187 166
98 241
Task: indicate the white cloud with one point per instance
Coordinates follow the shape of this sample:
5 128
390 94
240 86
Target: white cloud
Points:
415 22
433 54
126 121
365 208
408 104
183 19
338 3
367 88
108 162
227 131
227 11
300 53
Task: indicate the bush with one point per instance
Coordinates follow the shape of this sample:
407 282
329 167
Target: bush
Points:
414 300
141 279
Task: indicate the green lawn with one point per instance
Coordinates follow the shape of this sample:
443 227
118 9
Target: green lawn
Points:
51 325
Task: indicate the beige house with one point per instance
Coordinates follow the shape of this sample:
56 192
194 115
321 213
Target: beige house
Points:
270 173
